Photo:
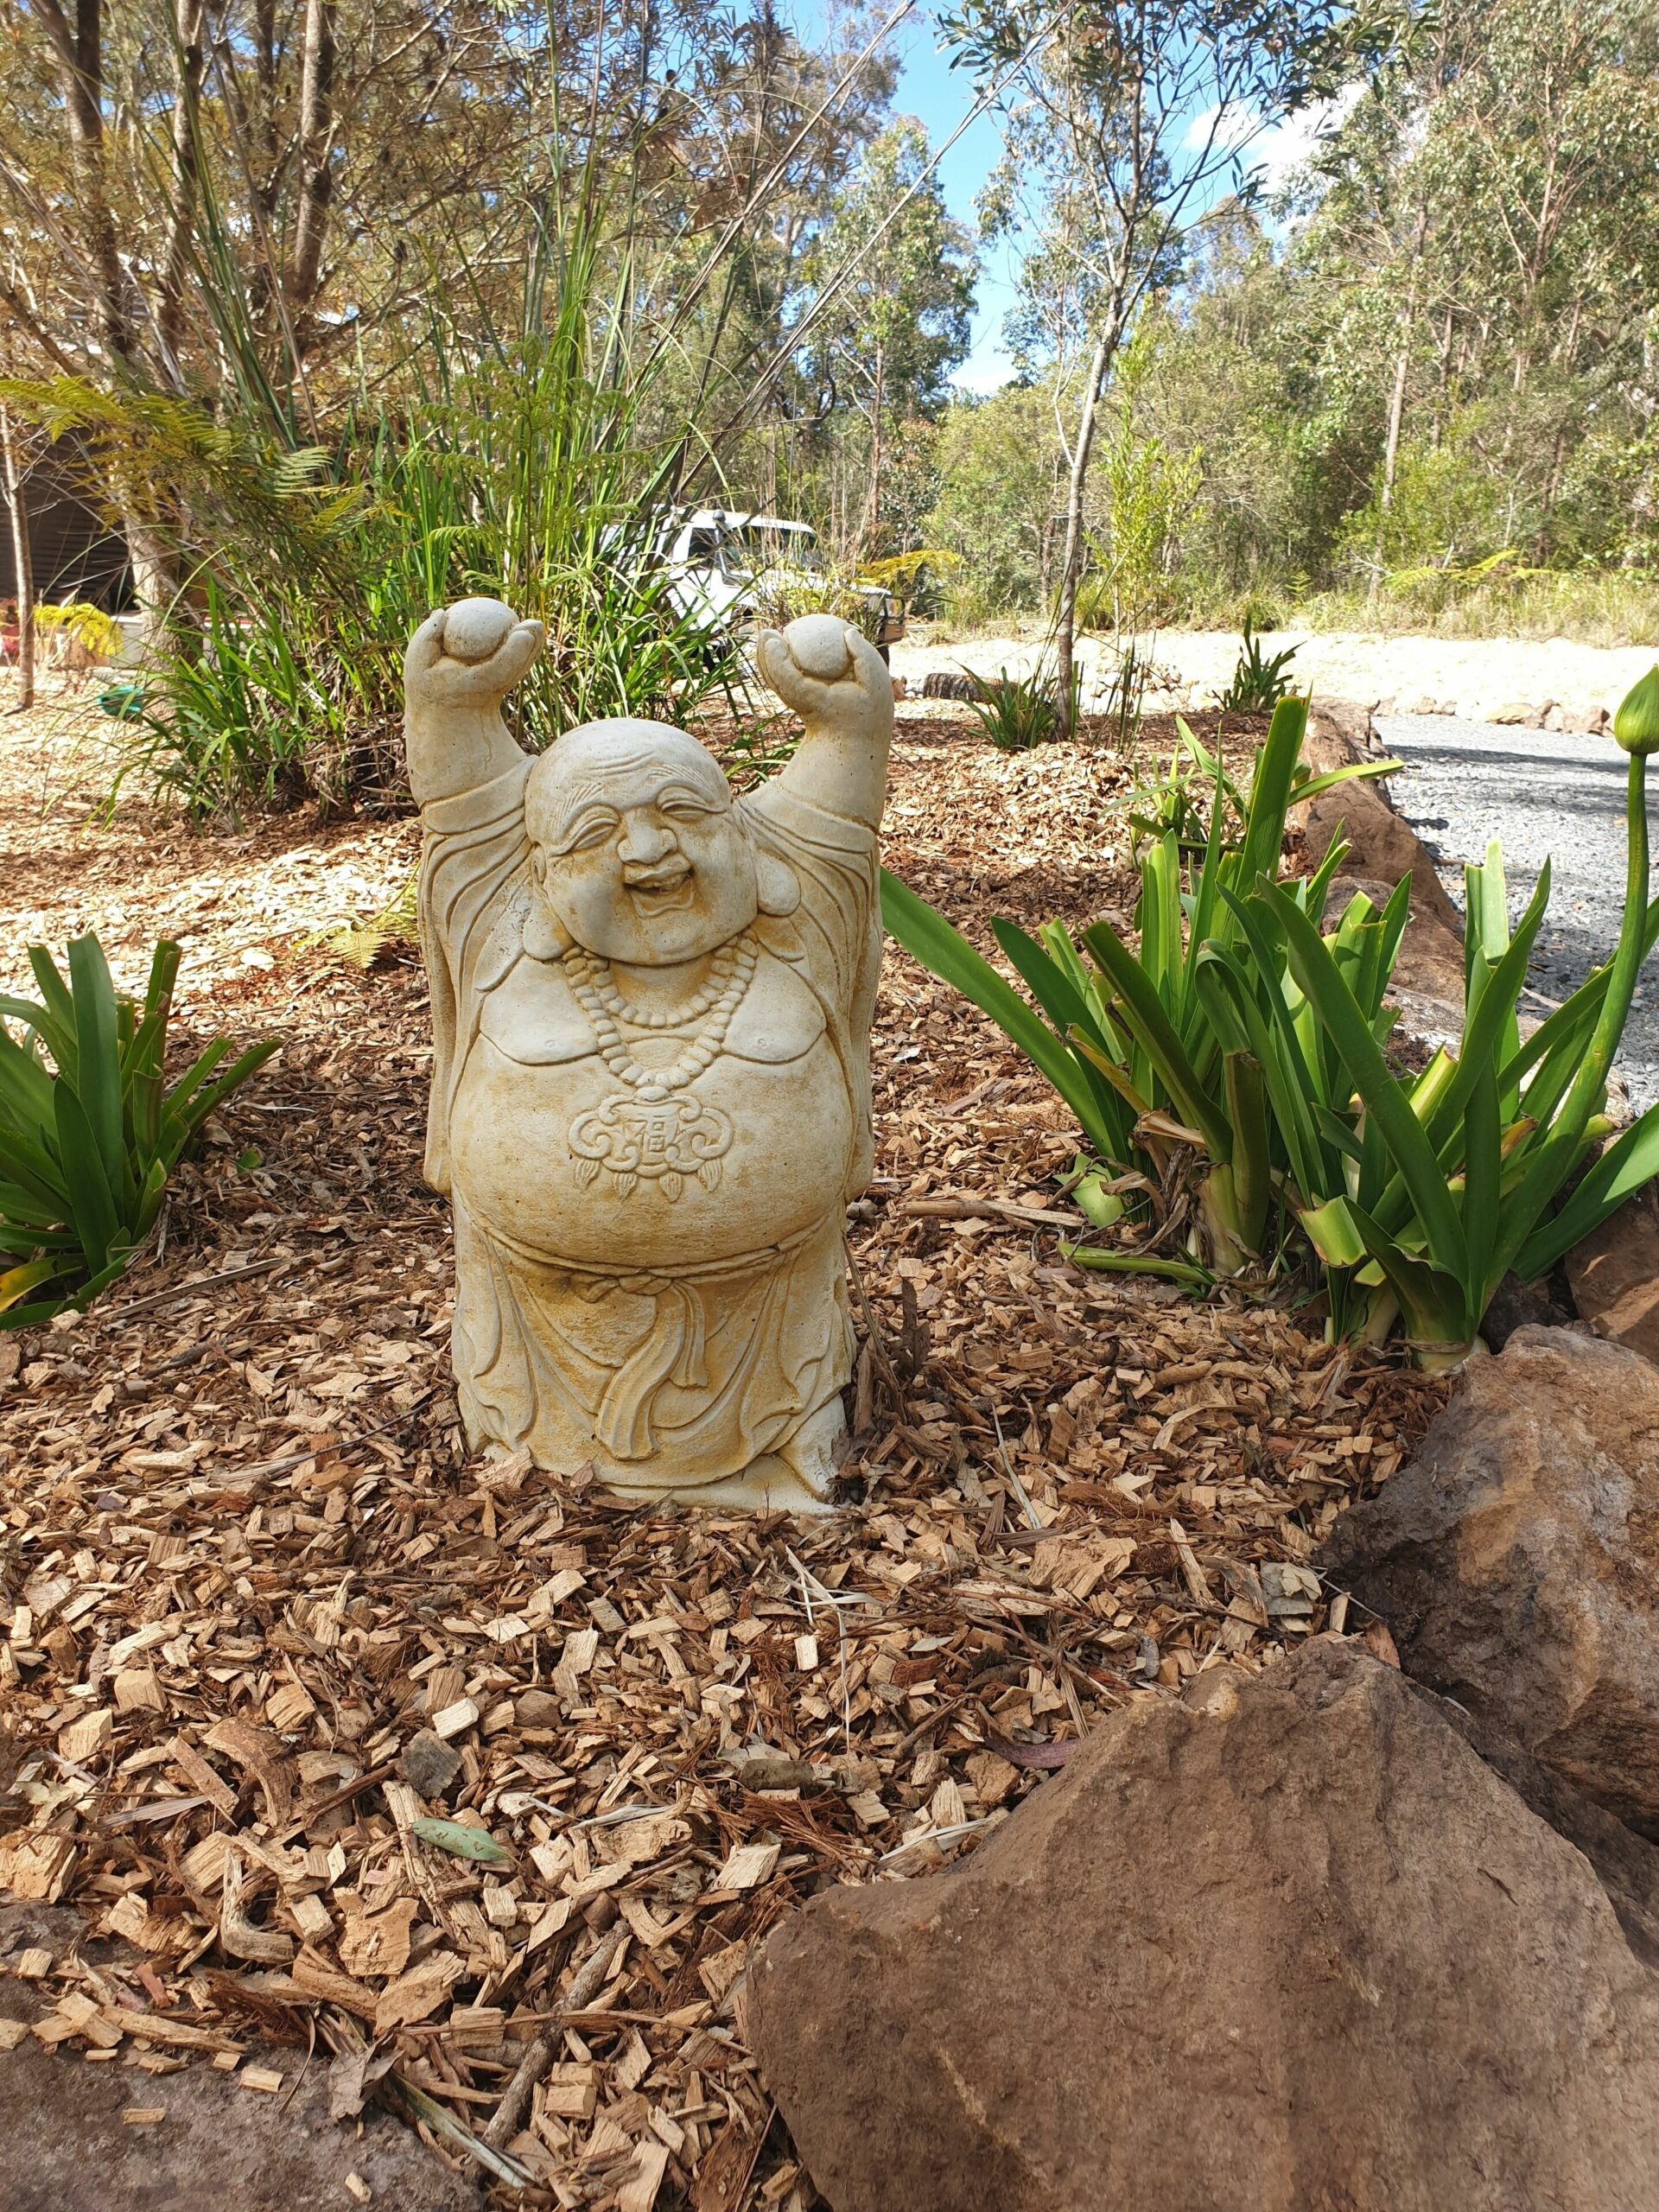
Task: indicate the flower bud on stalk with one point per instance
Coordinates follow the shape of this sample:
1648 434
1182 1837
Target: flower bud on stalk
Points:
1636 723
1637 727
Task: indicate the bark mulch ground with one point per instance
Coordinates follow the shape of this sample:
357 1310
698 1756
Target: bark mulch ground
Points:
266 1619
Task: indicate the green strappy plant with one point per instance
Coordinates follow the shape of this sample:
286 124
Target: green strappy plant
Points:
1127 1037
1455 1177
87 1143
1241 1031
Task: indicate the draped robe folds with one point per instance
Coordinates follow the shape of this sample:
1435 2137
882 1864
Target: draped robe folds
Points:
663 1382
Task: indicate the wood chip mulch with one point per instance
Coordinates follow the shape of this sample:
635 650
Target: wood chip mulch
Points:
266 1620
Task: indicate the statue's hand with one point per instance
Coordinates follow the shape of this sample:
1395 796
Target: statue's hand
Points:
831 675
468 655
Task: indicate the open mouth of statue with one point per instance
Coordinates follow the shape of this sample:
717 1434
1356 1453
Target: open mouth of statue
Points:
662 890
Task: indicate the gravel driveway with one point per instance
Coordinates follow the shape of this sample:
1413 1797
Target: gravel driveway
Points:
1476 677
1544 795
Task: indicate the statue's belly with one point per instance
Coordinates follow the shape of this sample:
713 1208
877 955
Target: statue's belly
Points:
567 1163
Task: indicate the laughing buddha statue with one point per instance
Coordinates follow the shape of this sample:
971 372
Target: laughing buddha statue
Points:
650 1090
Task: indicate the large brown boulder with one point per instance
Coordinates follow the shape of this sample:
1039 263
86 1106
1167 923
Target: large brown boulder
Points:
1383 846
1516 1559
1626 1865
1614 1275
1301 1951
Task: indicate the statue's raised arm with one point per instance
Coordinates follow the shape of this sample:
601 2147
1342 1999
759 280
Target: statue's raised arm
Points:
839 686
460 665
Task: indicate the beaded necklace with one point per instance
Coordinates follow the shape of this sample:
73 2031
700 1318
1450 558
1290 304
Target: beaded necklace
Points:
594 989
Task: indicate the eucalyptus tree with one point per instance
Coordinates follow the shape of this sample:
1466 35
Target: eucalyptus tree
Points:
232 205
996 461
1125 121
767 131
287 219
900 323
159 157
1544 149
1489 217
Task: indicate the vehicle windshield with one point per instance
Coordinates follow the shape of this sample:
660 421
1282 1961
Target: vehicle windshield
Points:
748 548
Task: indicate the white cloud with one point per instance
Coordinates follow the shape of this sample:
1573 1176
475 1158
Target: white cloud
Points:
983 372
1296 141
1272 155
1231 131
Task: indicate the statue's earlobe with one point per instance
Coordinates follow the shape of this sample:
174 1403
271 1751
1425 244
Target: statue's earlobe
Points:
777 887
545 935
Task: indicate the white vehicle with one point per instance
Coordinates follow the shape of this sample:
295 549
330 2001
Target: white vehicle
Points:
721 562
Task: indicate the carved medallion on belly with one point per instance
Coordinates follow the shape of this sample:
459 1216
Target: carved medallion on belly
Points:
653 1132
660 1141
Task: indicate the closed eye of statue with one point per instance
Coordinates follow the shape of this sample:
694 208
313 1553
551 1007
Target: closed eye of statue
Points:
592 831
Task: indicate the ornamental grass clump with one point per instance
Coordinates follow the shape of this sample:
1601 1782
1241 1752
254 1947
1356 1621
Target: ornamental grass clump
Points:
87 1143
1259 682
1019 713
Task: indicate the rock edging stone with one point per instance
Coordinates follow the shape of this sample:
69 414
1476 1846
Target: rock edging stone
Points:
1303 1949
1383 846
1515 1561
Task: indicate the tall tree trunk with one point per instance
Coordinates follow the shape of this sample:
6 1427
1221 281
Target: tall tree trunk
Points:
155 561
316 140
1443 400
1390 457
78 51
263 131
1397 395
873 486
187 68
1072 554
11 480
1644 495
1541 550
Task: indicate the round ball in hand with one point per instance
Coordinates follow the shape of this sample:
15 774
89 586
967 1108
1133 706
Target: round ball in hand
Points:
475 628
818 642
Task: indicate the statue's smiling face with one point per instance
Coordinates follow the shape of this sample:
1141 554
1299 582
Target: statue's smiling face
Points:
639 854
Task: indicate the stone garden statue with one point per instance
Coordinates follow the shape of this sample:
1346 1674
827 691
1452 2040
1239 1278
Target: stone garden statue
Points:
650 1091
